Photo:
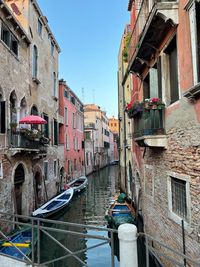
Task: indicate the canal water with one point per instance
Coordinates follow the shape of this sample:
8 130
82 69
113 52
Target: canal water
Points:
87 208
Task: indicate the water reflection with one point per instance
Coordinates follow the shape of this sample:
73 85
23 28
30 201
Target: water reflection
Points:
87 208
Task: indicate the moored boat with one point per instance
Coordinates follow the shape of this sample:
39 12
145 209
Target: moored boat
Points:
55 204
79 184
19 244
120 212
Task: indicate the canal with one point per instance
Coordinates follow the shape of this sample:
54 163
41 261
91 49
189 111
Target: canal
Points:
87 208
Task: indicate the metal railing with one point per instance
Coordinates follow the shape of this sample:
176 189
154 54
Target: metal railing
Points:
18 139
163 254
43 229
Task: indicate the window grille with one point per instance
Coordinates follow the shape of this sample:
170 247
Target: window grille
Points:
179 201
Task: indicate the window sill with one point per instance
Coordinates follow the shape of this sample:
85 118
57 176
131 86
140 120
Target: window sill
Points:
36 80
193 92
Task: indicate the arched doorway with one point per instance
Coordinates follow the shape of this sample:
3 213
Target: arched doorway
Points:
19 179
37 184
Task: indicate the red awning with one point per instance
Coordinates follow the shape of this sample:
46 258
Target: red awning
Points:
32 119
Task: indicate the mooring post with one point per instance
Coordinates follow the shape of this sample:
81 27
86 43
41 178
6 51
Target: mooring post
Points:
127 234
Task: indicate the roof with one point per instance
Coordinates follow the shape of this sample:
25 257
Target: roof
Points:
130 5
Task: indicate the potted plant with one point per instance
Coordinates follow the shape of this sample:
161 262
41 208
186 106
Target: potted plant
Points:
13 126
134 108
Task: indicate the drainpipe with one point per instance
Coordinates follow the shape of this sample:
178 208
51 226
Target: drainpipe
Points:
124 116
119 140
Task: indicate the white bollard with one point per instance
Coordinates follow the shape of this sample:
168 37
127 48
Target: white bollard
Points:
127 234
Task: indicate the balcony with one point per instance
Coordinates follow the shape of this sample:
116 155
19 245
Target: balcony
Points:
150 34
19 142
149 128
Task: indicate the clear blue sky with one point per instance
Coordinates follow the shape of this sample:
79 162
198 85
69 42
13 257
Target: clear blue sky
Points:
89 34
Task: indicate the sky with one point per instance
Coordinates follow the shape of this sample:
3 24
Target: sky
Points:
89 34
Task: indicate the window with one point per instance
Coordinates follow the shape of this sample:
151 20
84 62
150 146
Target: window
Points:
74 142
35 62
67 142
179 197
194 14
66 94
45 170
39 27
52 48
8 38
75 166
54 85
179 204
69 166
72 100
46 126
74 120
87 136
171 52
55 126
55 168
1 170
66 116
3 117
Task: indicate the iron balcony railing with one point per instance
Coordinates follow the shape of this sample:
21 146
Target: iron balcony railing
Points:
149 122
18 139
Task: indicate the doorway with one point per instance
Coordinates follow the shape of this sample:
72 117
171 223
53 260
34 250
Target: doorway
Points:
19 179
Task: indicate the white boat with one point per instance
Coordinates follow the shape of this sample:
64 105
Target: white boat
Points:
55 204
79 184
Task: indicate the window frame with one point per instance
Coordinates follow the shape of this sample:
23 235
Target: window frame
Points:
1 169
66 116
35 62
46 173
172 215
55 168
39 27
11 39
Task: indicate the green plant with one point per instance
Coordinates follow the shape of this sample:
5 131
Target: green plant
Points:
13 125
126 47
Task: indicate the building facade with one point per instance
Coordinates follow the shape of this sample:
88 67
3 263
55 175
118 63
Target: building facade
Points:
72 132
164 112
93 115
113 124
89 131
29 68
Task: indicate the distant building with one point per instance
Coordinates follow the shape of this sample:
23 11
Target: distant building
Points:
94 115
114 129
72 132
89 131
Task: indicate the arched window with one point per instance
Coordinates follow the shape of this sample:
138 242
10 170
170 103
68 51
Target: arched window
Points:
35 61
34 110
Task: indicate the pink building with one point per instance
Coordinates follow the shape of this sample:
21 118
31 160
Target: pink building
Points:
71 132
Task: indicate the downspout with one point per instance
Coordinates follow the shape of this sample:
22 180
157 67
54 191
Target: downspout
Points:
119 139
124 115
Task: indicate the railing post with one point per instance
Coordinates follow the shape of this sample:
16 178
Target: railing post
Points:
127 234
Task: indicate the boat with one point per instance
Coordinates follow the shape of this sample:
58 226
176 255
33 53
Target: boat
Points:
55 204
19 244
119 212
78 184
